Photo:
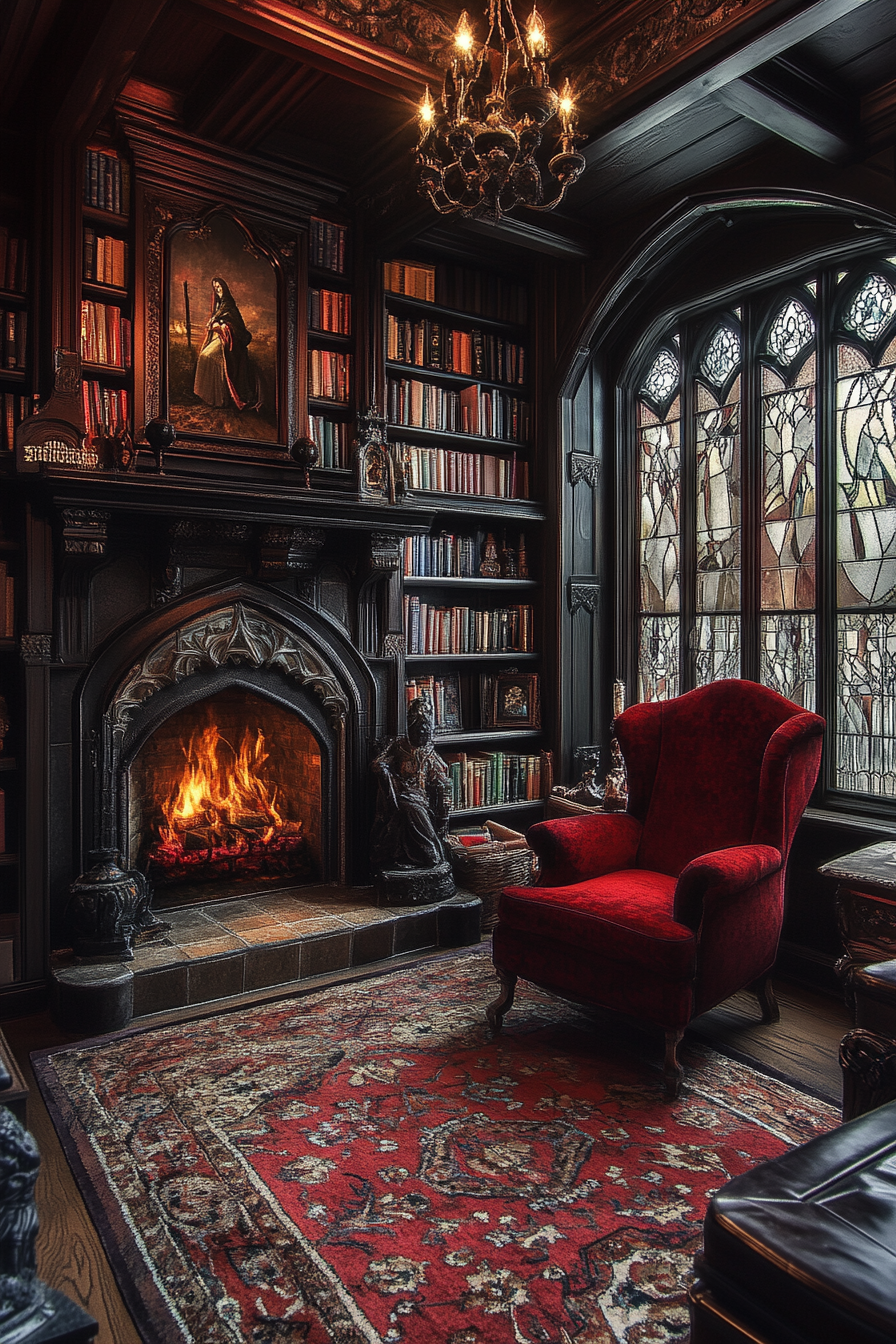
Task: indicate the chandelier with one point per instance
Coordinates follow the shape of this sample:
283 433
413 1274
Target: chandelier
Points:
477 146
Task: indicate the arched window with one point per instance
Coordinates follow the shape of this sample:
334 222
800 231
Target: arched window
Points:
765 474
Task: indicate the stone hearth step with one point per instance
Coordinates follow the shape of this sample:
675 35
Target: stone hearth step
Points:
224 948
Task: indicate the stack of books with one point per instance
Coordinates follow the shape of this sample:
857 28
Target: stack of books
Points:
326 246
330 310
329 374
453 630
493 778
105 335
462 473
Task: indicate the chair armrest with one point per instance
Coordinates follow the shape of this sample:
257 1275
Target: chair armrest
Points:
572 849
724 872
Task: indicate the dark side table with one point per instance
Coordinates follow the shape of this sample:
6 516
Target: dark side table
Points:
866 907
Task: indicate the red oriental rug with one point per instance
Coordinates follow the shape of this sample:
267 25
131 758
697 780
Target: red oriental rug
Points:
366 1165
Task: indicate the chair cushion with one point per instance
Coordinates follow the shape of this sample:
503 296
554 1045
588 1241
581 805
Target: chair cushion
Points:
811 1235
624 916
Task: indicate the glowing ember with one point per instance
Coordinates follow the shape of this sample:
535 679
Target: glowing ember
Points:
222 817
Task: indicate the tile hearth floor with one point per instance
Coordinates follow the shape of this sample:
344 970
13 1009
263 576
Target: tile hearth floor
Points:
223 948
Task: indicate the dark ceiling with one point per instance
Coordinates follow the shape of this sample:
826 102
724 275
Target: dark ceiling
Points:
671 93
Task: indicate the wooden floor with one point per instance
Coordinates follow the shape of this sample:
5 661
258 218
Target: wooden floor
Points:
802 1047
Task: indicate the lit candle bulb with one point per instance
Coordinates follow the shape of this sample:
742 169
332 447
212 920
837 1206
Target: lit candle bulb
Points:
567 109
426 111
463 35
536 37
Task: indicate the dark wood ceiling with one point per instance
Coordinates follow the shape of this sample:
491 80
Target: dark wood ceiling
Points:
670 92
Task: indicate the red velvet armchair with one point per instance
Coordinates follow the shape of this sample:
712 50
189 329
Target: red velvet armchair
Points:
663 911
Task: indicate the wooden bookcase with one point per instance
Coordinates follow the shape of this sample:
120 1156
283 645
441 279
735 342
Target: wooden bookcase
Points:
331 324
107 308
459 410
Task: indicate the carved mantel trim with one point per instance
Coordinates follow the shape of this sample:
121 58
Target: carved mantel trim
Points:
235 635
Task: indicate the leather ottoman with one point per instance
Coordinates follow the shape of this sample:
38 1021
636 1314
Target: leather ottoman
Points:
802 1250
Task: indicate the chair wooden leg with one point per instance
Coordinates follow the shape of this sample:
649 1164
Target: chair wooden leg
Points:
496 1012
765 993
672 1070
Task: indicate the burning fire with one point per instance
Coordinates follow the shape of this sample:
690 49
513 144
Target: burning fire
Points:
222 811
223 791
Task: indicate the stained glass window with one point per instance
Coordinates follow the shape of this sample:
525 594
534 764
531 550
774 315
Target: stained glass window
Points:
872 307
721 356
773 455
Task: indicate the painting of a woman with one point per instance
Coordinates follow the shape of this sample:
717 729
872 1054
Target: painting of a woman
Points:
223 353
225 372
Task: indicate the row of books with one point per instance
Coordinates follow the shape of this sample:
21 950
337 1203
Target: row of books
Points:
13 262
329 374
7 602
445 556
106 182
13 410
105 335
105 259
432 345
485 412
432 630
107 410
472 291
14 334
491 778
463 473
326 246
443 695
333 439
330 310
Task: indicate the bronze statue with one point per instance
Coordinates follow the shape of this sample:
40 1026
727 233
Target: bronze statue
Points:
413 806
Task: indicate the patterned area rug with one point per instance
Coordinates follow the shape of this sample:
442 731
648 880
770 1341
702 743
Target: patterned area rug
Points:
366 1165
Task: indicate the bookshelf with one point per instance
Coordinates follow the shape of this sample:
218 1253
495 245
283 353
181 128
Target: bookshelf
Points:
458 405
15 399
106 317
331 324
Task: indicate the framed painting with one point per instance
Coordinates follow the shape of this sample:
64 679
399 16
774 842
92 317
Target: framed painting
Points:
515 702
224 380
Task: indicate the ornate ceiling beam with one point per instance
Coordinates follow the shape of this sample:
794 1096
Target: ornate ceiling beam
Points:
795 106
284 27
756 52
256 102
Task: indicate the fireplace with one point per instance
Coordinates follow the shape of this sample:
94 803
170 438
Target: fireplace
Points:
227 746
227 790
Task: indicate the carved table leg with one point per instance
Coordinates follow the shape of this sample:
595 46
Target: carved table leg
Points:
496 1012
868 1062
672 1070
765 993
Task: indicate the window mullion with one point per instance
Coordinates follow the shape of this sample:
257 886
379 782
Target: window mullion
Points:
688 515
751 487
826 522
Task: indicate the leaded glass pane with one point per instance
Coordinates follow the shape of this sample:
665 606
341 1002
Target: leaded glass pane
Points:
718 510
660 486
866 712
790 332
866 495
721 356
658 658
787 656
851 360
663 377
787 542
872 308
717 645
771 381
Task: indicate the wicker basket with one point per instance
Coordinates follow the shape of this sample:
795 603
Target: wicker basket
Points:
506 861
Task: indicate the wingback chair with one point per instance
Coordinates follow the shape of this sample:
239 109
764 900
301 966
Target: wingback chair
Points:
664 910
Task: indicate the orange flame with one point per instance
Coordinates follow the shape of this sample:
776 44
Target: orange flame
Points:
223 790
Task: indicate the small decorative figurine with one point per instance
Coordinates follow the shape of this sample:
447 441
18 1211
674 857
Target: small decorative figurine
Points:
160 435
508 560
413 806
616 783
588 791
305 454
490 567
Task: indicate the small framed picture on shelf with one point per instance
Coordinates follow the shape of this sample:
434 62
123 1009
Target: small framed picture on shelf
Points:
515 700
